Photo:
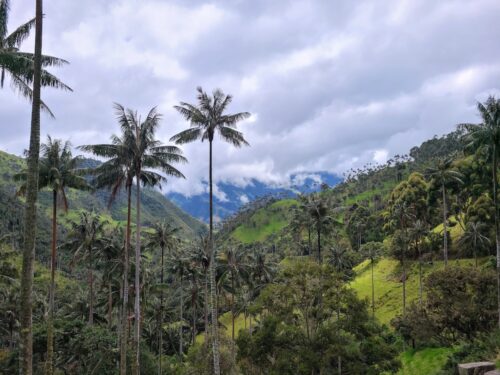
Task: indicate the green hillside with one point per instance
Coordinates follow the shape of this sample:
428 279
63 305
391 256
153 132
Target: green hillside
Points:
154 205
265 222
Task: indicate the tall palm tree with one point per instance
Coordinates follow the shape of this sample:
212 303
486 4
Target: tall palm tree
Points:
441 175
26 300
207 118
200 257
57 172
486 136
179 266
403 216
234 264
19 66
134 155
164 236
418 231
301 220
372 251
473 236
111 266
319 208
85 240
114 174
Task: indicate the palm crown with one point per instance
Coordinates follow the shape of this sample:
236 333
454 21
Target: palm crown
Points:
19 65
135 149
208 118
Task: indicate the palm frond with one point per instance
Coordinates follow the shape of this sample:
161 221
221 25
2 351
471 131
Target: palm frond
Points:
232 136
19 35
187 136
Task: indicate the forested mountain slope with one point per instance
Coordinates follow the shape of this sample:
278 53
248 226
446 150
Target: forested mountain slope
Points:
155 206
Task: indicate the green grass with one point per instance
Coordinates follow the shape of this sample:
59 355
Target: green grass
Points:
456 230
388 285
427 361
265 222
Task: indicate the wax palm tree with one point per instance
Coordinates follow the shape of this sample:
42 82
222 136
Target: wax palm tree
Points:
114 174
23 73
178 265
320 210
134 155
200 257
441 175
486 136
234 264
164 237
85 240
57 172
474 237
372 251
207 118
418 231
301 220
19 66
402 217
111 265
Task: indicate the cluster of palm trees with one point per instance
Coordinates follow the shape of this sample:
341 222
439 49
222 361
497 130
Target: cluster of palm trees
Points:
134 156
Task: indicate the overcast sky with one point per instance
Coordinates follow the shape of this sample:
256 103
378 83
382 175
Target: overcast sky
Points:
330 84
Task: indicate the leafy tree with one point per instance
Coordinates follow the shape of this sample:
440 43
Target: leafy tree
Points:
21 66
372 251
57 171
442 174
207 118
460 304
300 333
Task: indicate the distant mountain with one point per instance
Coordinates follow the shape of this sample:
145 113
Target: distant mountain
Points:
230 197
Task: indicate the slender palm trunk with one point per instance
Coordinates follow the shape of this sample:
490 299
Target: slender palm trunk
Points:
91 291
445 228
475 250
26 300
497 226
213 290
232 307
193 304
160 323
206 306
373 292
309 240
52 289
319 244
420 291
124 338
137 301
110 305
181 306
403 263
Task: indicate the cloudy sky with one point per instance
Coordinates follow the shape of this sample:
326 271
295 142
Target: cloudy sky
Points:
330 84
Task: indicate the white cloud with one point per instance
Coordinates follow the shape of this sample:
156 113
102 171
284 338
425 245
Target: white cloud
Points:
330 85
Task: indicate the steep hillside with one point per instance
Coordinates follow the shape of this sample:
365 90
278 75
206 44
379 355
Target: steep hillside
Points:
155 206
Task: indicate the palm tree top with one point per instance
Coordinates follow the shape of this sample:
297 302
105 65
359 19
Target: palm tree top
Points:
208 117
19 65
135 150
